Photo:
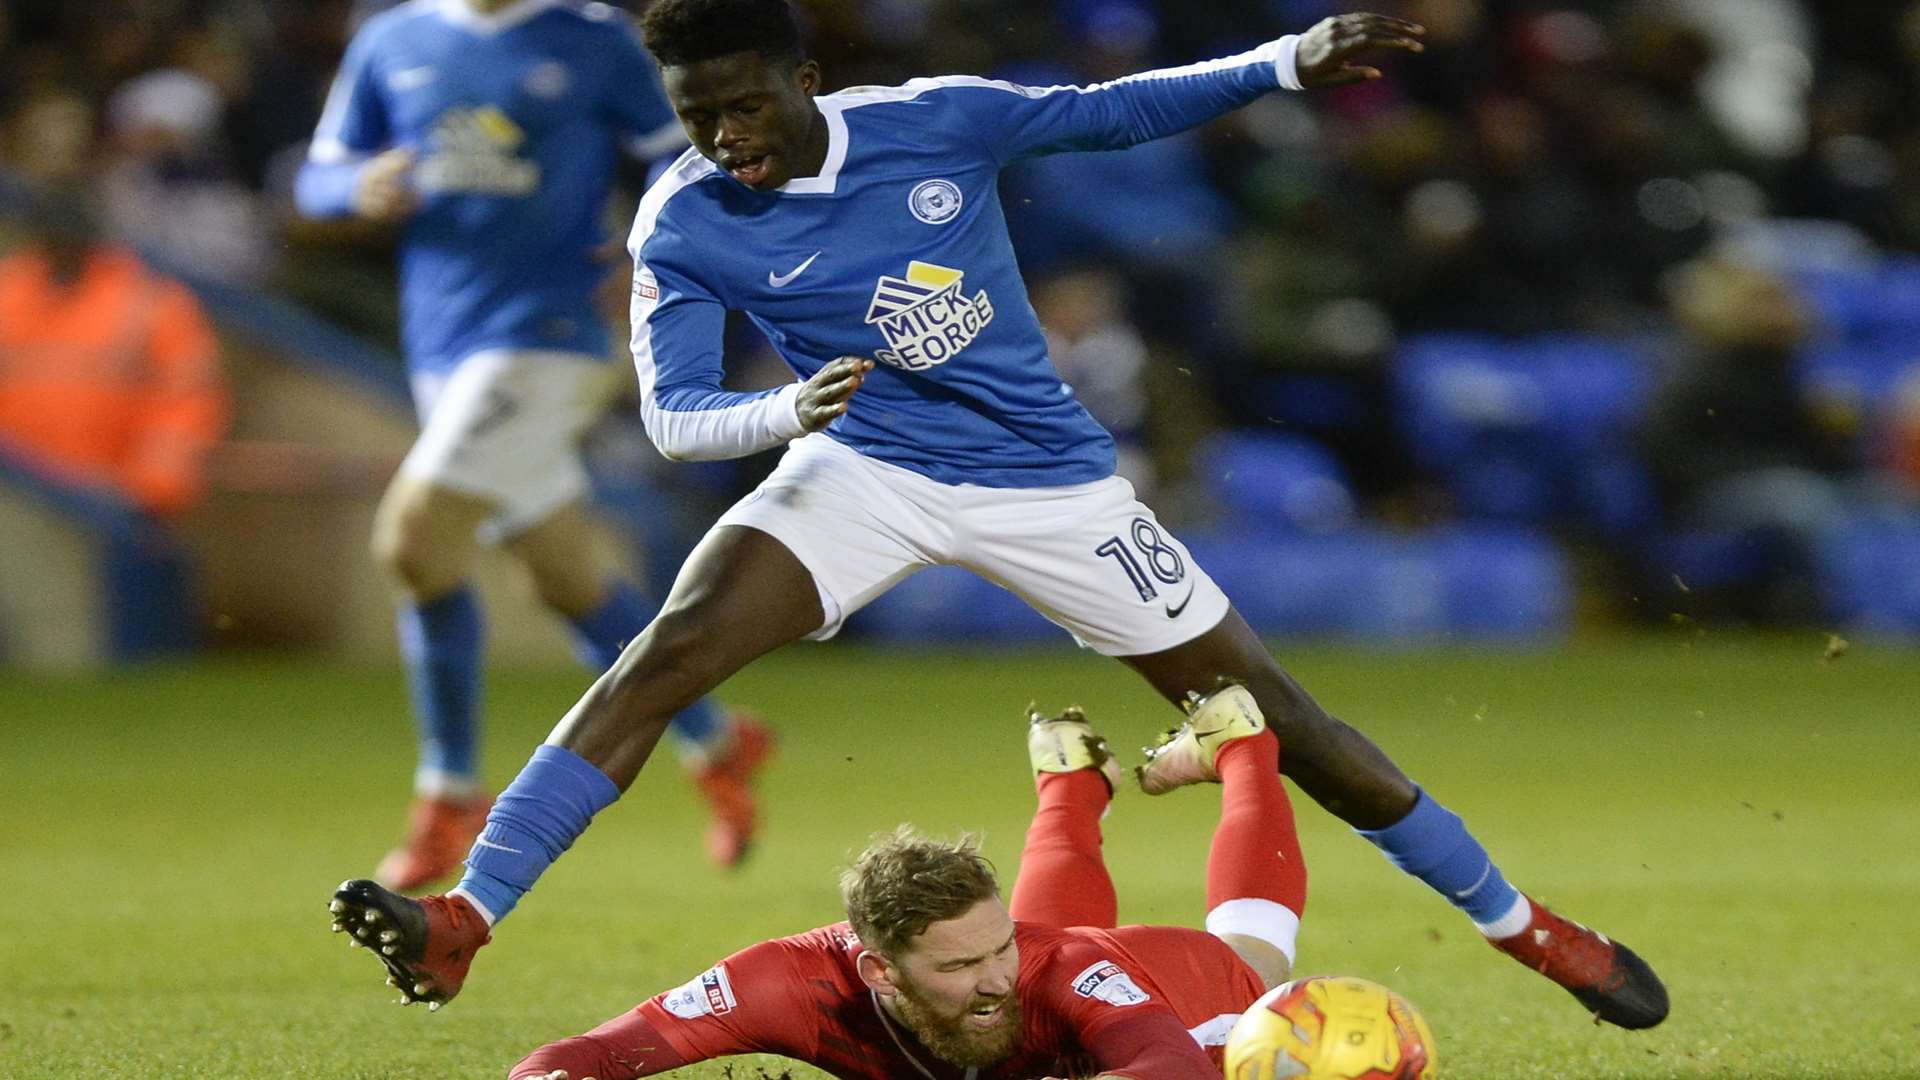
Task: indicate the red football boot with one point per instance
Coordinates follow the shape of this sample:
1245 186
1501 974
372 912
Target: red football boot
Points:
1608 978
427 944
439 834
727 784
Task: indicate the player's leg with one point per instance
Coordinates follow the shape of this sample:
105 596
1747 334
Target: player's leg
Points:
740 595
1063 879
1256 873
1345 772
423 538
824 534
721 750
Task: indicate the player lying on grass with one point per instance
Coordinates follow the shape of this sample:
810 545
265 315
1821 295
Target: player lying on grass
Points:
932 976
866 223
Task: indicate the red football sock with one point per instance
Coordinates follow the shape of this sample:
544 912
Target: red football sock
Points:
1063 880
1256 825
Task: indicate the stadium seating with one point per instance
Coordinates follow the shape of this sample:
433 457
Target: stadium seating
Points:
1476 584
1274 482
1461 583
1859 380
1526 430
1870 575
1878 303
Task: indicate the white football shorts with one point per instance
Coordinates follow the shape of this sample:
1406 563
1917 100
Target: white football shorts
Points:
1091 557
505 425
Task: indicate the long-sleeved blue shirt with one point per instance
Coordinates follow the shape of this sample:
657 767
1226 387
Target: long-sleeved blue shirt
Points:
897 250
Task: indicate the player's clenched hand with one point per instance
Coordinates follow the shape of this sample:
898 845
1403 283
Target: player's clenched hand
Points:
825 396
384 191
1326 51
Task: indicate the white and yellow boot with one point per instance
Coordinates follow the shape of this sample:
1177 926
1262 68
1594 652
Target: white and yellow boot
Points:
1068 743
1186 754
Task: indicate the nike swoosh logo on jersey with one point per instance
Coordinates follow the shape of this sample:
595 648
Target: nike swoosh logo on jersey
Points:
1174 610
780 281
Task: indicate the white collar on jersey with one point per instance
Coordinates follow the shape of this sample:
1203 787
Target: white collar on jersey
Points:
829 178
460 13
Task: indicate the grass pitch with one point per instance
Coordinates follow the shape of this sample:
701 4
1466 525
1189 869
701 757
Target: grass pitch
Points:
1741 811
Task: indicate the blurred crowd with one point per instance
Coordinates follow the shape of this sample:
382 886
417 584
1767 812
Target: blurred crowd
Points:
1652 172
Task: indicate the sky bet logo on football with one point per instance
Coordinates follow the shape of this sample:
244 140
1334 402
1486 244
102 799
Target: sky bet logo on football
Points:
925 317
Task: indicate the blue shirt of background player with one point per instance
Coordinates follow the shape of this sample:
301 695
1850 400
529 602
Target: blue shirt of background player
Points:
516 119
897 250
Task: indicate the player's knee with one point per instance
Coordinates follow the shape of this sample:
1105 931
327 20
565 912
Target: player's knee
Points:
412 553
573 591
681 654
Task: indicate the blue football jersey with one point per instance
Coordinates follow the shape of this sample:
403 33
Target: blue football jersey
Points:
897 251
515 119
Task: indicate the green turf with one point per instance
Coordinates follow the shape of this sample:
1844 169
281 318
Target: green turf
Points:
1742 812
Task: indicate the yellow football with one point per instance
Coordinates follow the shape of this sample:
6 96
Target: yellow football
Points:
1331 1027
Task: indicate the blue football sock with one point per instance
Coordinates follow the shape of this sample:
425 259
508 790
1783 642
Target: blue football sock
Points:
532 822
603 633
441 642
1432 844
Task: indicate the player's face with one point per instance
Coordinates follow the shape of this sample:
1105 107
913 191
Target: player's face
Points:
752 116
956 987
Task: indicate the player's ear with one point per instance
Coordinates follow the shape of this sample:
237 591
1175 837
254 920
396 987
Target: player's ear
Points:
807 76
876 972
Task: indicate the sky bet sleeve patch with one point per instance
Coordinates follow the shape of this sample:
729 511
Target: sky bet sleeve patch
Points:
1105 981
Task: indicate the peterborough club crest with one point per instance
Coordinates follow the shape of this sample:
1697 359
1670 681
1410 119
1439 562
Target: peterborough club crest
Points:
926 317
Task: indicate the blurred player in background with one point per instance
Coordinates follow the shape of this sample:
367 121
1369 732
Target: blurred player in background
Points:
489 131
867 223
932 976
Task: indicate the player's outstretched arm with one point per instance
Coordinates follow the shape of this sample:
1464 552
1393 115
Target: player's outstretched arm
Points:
1014 121
1325 55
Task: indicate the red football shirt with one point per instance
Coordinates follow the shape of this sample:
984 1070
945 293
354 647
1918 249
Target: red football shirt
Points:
801 997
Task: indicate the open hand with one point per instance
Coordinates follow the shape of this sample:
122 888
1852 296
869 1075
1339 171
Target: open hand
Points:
384 191
1325 51
824 397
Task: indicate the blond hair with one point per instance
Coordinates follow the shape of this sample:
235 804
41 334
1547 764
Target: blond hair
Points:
905 882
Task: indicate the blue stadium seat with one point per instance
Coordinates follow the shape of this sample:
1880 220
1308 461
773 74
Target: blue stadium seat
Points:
948 605
1862 304
1509 585
1596 389
1860 378
1515 427
1843 299
1275 482
1317 403
1283 585
1870 575
1700 560
1505 585
1451 389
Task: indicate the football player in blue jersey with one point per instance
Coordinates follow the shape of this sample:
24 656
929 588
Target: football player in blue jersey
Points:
489 132
861 231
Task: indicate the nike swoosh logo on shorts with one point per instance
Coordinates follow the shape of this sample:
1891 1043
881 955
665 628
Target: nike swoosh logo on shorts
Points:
780 281
1173 610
